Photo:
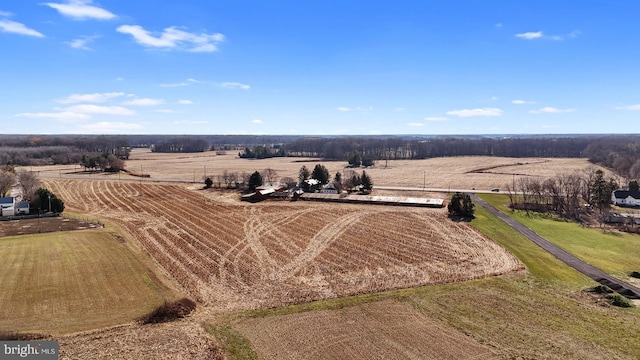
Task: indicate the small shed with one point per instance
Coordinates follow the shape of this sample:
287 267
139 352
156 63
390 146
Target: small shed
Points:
7 206
22 208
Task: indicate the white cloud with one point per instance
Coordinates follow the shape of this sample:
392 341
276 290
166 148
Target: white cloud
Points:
399 109
97 109
81 10
343 108
108 127
415 124
185 102
144 102
522 102
235 85
82 42
174 84
364 109
119 78
192 80
62 116
5 13
530 35
257 121
172 38
436 118
476 112
18 28
540 34
629 107
95 97
498 26
551 110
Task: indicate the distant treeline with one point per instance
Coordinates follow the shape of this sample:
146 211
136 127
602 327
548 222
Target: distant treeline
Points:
621 153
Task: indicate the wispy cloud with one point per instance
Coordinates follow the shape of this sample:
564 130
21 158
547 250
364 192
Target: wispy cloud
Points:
415 124
530 35
98 109
93 98
185 102
257 121
498 26
9 26
476 112
522 102
368 108
81 10
180 84
82 42
399 109
144 102
436 118
61 116
539 35
235 85
551 110
173 38
629 107
343 108
167 111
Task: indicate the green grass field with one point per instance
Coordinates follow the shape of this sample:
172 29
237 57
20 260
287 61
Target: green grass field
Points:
72 281
614 252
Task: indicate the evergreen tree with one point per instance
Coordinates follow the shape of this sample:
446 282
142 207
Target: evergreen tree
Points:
255 180
461 205
365 181
321 174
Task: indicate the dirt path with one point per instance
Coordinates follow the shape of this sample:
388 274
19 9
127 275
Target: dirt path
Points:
621 287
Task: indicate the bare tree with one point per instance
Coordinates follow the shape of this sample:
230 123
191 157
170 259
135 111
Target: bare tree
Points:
269 175
7 180
29 183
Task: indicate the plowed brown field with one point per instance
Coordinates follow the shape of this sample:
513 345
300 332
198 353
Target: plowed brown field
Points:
235 256
381 330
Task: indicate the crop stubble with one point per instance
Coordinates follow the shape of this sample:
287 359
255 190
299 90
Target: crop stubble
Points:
243 256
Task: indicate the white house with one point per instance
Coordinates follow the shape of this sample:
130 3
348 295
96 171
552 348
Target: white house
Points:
7 206
625 198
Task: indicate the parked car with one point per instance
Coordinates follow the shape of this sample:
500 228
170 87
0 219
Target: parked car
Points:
495 190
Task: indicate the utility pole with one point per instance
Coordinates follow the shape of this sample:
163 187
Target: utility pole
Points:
424 180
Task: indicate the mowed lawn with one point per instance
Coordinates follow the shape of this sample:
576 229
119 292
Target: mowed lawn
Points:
72 281
614 252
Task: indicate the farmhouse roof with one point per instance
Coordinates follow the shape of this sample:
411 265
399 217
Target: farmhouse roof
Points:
6 200
623 194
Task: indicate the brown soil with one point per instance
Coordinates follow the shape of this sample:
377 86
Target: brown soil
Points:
43 225
383 330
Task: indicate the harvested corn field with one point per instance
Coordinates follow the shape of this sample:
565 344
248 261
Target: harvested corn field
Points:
236 256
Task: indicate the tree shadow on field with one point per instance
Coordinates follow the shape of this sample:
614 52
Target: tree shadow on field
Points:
460 218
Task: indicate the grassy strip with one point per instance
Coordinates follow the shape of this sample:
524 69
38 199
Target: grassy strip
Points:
233 343
613 252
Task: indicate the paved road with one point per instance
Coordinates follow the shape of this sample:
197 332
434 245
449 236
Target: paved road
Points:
594 273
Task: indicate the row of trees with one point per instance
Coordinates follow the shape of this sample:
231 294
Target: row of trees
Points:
567 195
103 162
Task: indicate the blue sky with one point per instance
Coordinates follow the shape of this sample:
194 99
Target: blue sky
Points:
329 67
